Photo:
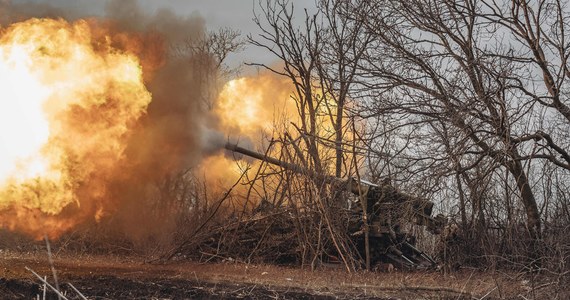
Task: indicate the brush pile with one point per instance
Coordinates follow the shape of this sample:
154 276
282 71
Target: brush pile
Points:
265 237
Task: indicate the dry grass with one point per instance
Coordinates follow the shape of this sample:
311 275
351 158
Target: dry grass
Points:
465 284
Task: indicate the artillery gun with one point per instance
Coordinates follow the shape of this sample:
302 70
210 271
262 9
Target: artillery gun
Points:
380 216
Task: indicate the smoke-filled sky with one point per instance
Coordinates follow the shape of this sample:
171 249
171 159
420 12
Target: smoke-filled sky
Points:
236 14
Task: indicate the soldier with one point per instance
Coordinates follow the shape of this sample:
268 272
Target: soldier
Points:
448 247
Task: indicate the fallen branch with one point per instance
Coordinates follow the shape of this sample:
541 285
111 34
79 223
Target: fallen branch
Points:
59 294
44 288
77 291
50 259
488 293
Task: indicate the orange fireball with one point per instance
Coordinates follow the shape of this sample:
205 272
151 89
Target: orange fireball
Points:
68 101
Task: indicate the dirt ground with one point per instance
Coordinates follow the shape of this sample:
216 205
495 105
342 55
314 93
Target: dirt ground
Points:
102 277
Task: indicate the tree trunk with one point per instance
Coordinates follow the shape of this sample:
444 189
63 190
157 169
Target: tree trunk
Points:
527 198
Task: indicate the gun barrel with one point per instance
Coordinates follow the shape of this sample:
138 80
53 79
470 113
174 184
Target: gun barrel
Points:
289 166
285 165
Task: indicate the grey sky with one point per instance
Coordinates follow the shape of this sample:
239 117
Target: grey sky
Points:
236 14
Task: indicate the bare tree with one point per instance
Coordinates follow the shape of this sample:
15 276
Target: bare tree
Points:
338 63
429 60
298 50
319 54
538 45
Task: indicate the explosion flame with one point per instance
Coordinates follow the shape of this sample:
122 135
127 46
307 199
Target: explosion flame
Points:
70 100
92 118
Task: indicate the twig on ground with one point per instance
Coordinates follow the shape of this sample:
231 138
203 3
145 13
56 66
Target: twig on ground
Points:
61 296
488 293
467 282
50 260
77 291
44 289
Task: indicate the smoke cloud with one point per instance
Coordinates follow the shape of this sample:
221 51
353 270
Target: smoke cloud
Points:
170 138
176 133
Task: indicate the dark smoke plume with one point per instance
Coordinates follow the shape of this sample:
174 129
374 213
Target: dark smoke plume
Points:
170 137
